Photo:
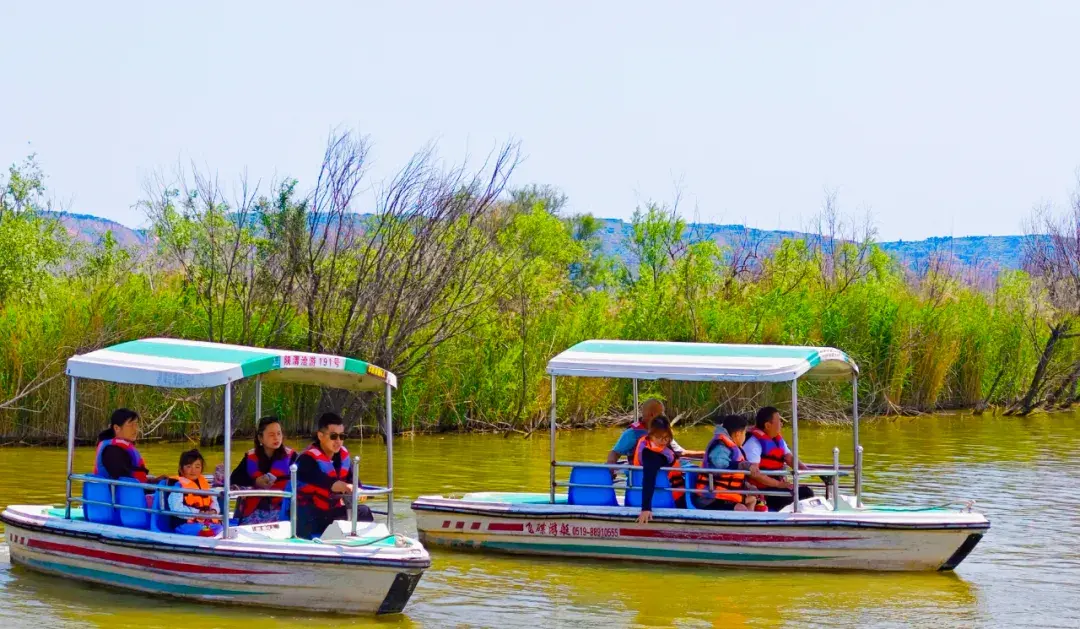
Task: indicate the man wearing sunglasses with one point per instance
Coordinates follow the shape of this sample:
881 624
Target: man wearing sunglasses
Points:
324 474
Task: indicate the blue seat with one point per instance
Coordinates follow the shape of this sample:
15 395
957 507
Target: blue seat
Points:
592 496
132 497
661 499
690 478
286 505
99 513
160 522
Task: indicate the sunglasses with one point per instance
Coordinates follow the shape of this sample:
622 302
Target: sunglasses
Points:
335 436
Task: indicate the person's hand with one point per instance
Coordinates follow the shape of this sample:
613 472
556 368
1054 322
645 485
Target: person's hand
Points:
750 502
341 487
785 484
644 517
265 481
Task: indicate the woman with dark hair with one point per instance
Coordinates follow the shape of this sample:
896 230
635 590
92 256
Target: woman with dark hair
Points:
266 466
116 455
324 473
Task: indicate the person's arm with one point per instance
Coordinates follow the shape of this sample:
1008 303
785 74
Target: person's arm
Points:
752 450
771 482
789 458
117 464
308 472
651 462
116 461
624 446
176 503
240 476
681 451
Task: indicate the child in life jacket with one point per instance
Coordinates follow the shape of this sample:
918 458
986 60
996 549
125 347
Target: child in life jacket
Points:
723 492
190 476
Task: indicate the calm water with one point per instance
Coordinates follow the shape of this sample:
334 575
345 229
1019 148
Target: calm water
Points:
1024 474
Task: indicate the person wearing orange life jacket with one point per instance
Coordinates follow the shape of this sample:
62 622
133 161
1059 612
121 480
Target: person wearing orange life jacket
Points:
628 440
766 450
653 451
117 456
325 473
724 452
190 476
266 466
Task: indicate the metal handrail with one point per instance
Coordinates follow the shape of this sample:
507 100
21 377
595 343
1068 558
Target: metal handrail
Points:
747 492
179 514
825 471
213 492
821 472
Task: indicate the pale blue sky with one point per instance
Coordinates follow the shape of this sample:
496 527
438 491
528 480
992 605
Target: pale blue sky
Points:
942 118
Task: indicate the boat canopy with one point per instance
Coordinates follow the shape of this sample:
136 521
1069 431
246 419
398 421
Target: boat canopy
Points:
652 360
176 363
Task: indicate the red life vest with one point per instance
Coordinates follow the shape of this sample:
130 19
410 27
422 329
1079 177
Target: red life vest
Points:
138 466
723 482
192 500
318 496
773 451
279 467
675 478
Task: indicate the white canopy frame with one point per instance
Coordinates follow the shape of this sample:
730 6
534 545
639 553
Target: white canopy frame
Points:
174 363
709 362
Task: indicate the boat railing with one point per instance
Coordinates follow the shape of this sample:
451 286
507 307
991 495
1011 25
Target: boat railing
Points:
214 492
217 492
830 476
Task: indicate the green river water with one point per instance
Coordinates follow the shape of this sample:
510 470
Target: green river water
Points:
1024 475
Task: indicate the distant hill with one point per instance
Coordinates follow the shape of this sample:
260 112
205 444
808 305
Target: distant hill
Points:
1002 252
90 229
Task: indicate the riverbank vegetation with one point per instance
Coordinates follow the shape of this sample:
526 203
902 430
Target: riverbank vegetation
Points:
465 284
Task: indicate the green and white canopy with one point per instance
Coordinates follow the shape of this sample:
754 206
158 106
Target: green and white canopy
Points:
650 360
175 363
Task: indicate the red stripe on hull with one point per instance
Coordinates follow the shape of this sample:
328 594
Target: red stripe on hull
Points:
726 537
506 526
158 564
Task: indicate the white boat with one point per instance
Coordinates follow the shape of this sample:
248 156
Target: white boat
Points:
597 518
351 568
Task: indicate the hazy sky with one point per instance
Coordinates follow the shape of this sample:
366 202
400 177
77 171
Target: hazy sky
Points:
941 118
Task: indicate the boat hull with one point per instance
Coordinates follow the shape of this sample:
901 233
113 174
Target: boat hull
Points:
229 571
852 540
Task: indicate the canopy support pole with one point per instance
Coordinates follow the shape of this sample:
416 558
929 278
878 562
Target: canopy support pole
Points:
551 423
355 508
795 445
637 408
389 462
228 462
855 433
71 446
258 399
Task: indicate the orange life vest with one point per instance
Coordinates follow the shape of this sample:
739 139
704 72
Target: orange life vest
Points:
193 500
675 478
723 483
